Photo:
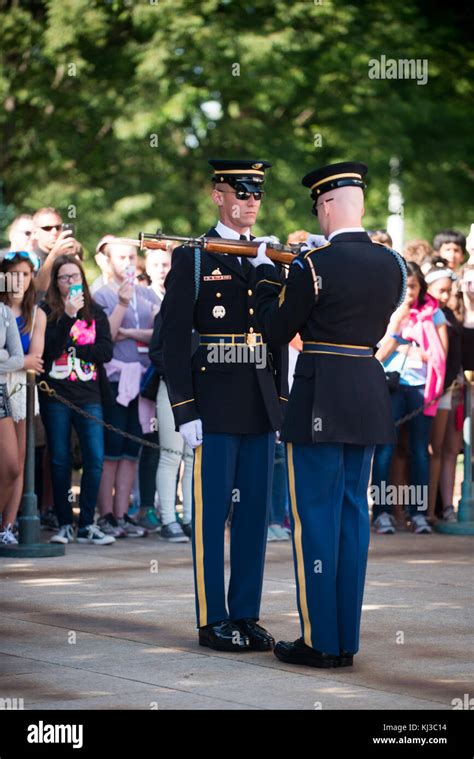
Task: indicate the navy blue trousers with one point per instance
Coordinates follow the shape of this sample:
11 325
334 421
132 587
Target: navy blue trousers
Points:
232 475
330 523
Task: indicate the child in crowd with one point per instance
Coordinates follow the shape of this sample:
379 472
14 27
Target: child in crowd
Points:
415 347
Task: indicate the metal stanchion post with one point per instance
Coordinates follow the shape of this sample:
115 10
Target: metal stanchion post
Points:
29 521
465 522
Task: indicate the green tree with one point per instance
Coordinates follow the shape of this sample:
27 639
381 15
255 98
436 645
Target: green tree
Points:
112 107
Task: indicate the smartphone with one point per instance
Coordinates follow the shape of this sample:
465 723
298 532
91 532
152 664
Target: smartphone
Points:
130 273
74 290
70 228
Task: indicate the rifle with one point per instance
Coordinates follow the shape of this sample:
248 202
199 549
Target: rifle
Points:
275 251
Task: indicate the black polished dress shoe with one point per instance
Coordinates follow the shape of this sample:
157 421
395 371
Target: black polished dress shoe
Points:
223 636
346 659
259 638
299 653
187 529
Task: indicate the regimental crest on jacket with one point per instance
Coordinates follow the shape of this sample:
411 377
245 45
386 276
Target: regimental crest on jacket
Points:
338 395
236 380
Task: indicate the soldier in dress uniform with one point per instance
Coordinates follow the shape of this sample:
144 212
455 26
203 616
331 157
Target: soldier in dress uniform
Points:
227 403
339 297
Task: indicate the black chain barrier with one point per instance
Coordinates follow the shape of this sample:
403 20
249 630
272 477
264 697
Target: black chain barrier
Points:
453 386
45 388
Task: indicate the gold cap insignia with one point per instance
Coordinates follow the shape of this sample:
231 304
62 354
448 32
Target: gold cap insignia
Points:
216 271
257 165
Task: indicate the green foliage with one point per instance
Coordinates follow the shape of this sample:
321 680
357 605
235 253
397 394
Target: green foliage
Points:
104 107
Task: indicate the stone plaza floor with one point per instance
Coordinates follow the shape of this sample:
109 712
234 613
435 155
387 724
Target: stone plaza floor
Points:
113 628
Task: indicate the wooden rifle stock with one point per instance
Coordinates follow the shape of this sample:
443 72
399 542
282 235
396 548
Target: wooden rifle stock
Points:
240 248
249 248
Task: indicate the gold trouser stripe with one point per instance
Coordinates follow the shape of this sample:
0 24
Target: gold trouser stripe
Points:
198 536
299 550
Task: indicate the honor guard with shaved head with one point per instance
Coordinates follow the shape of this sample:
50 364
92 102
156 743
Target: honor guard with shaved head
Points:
227 402
339 297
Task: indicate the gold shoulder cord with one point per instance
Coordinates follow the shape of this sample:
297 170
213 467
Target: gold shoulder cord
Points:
313 274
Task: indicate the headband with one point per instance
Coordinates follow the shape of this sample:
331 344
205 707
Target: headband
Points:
433 276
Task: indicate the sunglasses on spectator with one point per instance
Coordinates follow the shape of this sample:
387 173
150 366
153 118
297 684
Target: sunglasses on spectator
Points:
64 278
31 257
243 195
49 227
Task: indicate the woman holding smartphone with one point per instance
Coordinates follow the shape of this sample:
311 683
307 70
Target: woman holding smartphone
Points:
20 266
77 344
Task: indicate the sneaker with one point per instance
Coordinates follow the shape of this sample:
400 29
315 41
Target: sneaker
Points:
49 520
187 529
150 521
109 526
419 525
131 528
271 537
279 532
173 533
384 524
449 515
65 534
7 537
91 534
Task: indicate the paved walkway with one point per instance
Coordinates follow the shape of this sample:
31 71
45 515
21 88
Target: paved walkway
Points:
98 628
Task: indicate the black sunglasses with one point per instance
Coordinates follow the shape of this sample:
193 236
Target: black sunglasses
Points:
49 227
315 209
243 194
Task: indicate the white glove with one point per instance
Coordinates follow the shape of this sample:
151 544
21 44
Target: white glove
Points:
268 238
261 257
191 432
313 241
